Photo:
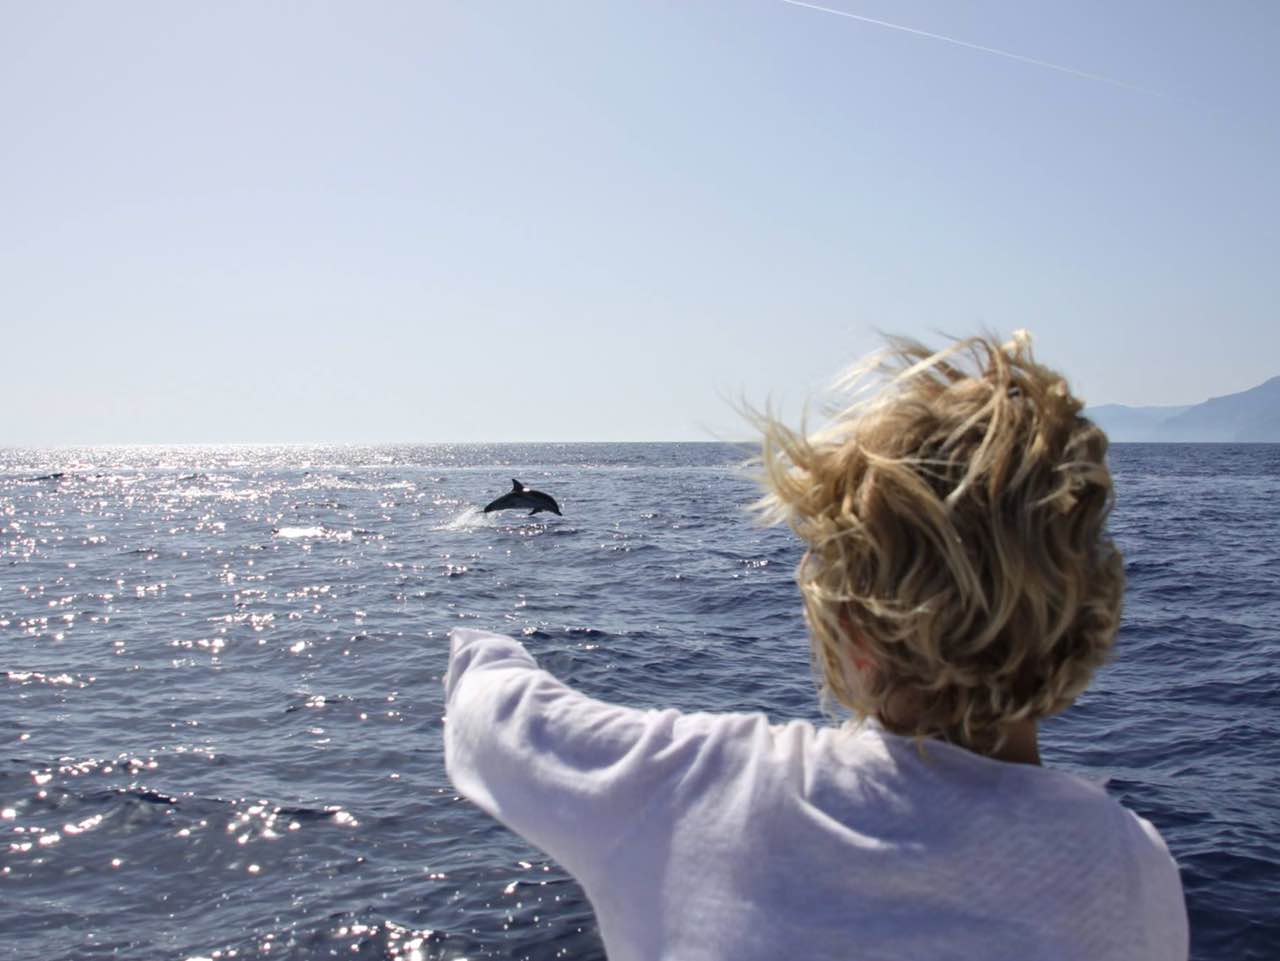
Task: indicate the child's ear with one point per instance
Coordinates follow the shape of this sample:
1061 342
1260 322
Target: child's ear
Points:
856 651
854 654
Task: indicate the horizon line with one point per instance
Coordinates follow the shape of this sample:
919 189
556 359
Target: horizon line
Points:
348 443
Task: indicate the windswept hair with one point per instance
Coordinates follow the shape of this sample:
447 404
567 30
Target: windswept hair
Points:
955 523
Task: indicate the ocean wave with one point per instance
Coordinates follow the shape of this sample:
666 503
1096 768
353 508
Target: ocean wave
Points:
312 533
203 687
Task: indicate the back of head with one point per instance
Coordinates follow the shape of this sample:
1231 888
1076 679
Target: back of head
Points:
955 524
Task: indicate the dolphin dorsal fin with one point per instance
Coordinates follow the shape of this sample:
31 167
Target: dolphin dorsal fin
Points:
516 486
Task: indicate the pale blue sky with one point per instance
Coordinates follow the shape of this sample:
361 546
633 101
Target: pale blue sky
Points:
591 220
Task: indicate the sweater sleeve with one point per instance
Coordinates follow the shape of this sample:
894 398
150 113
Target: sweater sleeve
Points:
571 774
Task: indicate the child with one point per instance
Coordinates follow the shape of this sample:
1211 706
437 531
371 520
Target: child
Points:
959 586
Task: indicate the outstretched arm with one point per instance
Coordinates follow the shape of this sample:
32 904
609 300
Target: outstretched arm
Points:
571 774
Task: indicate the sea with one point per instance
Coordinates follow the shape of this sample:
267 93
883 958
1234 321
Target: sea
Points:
221 702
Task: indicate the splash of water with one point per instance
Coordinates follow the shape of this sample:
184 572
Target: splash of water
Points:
473 518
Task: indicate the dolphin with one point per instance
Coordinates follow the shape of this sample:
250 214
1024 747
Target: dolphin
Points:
521 496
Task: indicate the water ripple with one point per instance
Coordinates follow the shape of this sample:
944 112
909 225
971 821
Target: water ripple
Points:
221 694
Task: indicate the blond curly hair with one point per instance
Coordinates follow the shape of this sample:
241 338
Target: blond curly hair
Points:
958 559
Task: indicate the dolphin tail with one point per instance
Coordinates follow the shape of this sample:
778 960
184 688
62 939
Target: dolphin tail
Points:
501 504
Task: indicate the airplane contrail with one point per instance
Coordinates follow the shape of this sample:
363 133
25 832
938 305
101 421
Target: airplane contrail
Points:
972 46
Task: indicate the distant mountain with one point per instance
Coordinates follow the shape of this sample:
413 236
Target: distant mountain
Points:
1249 416
1131 423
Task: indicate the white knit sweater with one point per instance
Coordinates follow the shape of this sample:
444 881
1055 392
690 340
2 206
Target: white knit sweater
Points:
722 836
